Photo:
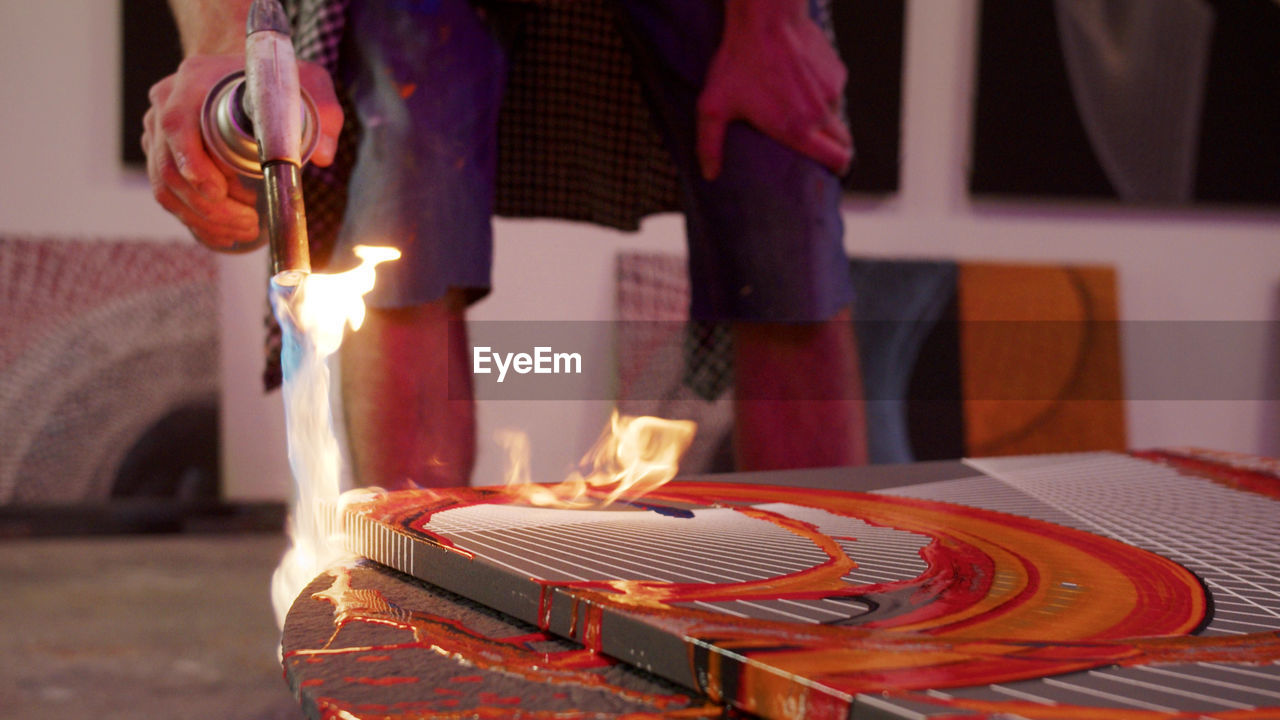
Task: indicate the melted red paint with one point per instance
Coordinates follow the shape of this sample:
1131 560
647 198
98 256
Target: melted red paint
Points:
529 638
1215 467
956 578
446 691
440 635
545 594
383 681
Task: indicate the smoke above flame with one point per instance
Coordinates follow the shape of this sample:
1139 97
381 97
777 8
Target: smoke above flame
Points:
633 456
313 314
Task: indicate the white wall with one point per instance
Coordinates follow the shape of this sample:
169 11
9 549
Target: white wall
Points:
59 176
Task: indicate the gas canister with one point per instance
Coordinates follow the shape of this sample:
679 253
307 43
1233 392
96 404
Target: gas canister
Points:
227 129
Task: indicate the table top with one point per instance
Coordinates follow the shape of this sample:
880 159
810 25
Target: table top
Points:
373 642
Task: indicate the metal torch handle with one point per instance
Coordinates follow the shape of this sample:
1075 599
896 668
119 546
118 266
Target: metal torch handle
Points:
273 99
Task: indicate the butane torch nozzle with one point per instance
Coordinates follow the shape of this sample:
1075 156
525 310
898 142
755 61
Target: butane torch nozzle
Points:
267 16
274 101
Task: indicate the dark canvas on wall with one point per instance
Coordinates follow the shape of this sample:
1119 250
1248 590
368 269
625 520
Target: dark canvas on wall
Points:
1030 138
150 50
870 36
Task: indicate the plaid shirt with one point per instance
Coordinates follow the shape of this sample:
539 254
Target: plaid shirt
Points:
576 140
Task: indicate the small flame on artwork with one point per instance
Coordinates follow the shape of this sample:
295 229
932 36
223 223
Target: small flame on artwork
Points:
634 456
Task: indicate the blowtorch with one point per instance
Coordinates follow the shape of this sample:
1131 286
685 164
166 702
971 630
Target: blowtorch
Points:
263 125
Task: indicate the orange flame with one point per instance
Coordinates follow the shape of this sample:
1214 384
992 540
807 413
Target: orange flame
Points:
633 456
313 314
326 303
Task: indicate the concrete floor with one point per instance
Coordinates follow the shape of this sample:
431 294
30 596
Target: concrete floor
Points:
176 626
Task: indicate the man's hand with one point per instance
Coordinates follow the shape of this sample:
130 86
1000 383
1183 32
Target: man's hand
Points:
776 70
185 180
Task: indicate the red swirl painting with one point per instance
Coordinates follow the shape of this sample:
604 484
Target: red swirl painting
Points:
996 598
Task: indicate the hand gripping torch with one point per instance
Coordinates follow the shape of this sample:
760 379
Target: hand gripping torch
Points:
263 125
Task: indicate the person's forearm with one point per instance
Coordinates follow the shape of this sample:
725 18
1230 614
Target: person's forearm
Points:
211 27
